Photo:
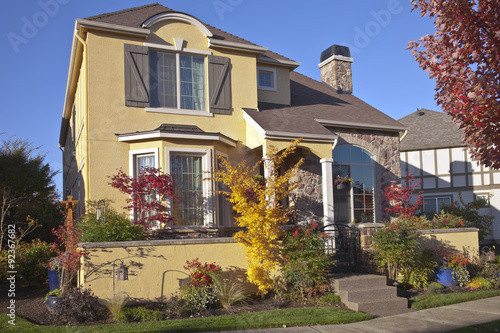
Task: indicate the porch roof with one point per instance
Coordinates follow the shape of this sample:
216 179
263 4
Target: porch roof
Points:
176 131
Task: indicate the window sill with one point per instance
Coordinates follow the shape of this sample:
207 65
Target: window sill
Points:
180 112
267 88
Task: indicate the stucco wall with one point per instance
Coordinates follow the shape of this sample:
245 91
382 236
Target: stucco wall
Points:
156 268
463 240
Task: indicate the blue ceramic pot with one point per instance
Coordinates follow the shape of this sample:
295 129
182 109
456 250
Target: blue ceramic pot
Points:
53 279
445 276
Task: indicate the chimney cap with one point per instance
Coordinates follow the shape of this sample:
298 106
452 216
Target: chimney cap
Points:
335 50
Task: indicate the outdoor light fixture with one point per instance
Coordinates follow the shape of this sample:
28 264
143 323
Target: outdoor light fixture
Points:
100 211
489 253
122 273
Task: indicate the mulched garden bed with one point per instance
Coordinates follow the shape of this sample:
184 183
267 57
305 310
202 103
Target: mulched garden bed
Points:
29 305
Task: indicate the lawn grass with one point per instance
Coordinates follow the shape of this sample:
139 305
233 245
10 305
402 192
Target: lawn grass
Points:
432 301
275 318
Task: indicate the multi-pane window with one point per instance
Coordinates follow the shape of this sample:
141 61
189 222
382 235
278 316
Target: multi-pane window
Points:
177 81
266 78
187 174
433 205
354 203
142 161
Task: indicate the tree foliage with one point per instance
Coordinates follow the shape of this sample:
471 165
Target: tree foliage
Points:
111 227
463 56
405 202
257 204
148 195
27 191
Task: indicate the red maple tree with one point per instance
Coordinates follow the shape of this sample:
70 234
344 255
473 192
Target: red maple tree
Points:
463 56
405 201
148 194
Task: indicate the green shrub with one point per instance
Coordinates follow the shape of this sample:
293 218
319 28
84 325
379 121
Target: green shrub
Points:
470 214
114 227
422 272
394 247
198 298
329 298
480 283
434 288
32 261
304 263
140 314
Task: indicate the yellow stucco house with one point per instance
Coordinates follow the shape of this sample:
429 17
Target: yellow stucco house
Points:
150 86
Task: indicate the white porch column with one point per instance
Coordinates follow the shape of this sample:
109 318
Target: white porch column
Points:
327 182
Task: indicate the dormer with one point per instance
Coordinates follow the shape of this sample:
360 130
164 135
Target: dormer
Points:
273 78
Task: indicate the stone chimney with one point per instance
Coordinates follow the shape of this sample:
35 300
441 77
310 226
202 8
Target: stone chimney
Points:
336 68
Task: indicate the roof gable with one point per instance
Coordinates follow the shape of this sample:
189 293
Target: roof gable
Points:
135 17
430 129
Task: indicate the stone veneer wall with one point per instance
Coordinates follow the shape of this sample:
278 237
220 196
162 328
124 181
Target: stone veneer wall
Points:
385 149
338 74
308 197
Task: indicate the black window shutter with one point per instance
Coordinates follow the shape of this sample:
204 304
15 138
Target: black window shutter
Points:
219 84
136 75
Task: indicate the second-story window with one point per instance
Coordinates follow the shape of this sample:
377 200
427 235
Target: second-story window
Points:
266 78
177 81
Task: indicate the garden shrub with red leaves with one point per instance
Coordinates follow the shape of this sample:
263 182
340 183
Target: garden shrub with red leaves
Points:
304 263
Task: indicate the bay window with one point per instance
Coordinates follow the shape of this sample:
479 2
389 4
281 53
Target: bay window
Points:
187 167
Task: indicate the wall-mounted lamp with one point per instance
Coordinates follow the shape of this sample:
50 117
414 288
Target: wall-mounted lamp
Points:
122 273
100 211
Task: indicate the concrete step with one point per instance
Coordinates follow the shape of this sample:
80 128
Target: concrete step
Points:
370 294
387 307
358 281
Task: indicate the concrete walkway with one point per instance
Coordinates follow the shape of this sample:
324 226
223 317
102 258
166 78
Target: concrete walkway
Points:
440 319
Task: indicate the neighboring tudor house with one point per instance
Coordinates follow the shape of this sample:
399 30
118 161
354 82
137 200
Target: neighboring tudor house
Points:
149 86
433 152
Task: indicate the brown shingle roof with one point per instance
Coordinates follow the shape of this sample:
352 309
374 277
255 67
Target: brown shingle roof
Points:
312 100
430 129
135 17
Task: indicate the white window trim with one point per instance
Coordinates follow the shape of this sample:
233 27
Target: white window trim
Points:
223 217
436 197
177 51
267 69
206 155
351 189
132 154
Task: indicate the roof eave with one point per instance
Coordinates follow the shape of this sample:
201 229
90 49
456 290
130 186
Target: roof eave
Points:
158 134
236 46
279 62
348 124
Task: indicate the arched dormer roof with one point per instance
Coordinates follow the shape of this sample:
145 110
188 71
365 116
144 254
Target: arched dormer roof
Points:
177 16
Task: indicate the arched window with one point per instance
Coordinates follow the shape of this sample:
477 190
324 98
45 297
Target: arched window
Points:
356 201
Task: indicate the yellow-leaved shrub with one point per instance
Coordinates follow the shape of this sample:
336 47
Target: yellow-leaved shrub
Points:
258 208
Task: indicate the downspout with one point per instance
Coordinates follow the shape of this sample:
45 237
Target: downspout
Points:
335 143
86 99
404 134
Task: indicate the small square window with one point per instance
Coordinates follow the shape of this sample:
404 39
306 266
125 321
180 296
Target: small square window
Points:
266 78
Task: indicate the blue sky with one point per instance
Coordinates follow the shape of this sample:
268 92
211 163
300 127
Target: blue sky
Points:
36 36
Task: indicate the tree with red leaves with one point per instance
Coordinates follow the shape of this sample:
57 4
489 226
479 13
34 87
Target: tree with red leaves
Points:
463 56
406 203
148 194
